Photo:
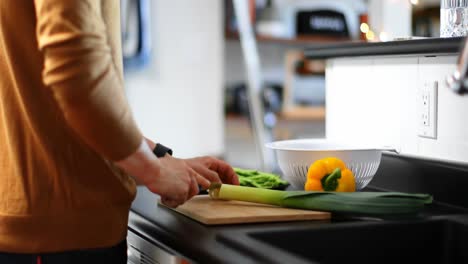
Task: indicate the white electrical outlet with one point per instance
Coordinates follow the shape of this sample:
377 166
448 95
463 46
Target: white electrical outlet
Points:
427 110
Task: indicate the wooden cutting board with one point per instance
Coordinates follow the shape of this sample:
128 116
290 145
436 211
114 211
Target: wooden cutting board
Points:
208 211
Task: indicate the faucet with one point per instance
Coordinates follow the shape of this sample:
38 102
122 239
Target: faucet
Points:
458 81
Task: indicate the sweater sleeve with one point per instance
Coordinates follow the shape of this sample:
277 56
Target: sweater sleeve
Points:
81 72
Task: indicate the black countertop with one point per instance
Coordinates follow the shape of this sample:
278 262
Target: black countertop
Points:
200 243
426 46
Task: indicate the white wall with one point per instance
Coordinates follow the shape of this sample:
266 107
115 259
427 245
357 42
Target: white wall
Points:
272 57
178 101
392 17
374 101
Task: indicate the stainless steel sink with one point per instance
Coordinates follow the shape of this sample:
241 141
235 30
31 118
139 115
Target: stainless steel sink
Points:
437 240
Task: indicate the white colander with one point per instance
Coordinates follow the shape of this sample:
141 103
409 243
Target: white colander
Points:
295 156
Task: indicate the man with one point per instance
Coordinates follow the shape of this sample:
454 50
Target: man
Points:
69 140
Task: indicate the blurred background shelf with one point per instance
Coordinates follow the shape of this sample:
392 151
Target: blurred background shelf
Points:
303 113
298 113
293 42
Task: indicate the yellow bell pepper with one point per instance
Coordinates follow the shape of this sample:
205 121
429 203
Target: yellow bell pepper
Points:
330 174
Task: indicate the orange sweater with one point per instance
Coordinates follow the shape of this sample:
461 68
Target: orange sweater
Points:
63 119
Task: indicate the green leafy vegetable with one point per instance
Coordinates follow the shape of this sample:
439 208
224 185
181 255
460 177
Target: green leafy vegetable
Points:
260 179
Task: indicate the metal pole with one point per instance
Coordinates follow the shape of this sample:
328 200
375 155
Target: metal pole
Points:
254 83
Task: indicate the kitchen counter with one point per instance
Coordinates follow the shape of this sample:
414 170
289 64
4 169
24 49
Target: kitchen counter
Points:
199 243
426 46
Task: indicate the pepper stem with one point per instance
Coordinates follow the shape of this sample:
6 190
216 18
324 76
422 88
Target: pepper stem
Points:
330 181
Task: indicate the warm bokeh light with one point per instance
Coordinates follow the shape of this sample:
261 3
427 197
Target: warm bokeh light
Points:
414 2
383 36
370 35
364 28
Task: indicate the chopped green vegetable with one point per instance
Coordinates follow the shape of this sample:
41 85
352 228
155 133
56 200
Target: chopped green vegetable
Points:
260 179
375 203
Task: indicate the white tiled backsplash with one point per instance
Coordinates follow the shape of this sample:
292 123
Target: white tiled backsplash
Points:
375 100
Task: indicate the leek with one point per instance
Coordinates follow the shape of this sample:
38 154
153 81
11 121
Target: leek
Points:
376 203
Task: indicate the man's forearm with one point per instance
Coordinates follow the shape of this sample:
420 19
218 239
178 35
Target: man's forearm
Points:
137 163
151 146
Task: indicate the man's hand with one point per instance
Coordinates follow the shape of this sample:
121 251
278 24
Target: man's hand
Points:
177 182
214 170
169 177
